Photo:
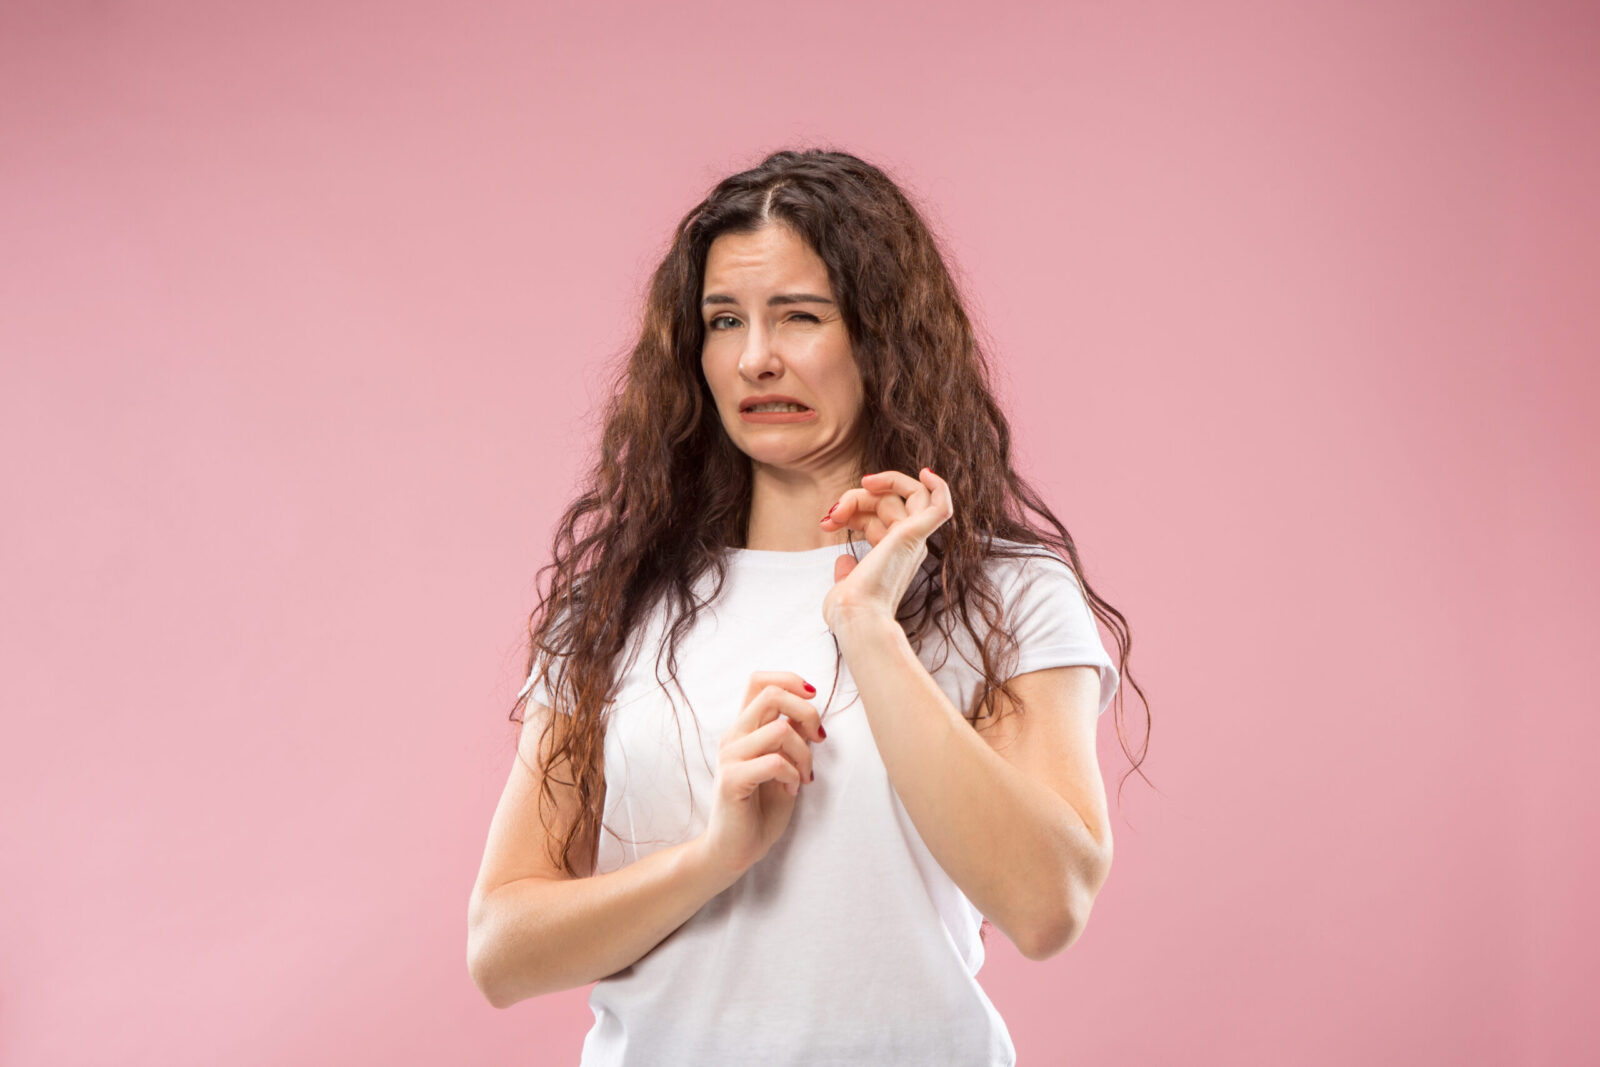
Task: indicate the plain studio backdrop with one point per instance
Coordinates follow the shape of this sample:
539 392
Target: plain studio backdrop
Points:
303 313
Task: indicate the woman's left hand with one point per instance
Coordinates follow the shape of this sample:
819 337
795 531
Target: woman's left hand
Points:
897 513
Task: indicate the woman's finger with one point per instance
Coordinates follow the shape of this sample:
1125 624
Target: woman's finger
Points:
894 481
855 507
780 736
927 493
788 696
915 494
869 513
891 508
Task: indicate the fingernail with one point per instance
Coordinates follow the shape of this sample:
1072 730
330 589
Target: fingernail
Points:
809 687
813 777
820 731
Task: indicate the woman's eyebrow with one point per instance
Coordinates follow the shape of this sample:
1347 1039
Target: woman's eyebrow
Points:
780 298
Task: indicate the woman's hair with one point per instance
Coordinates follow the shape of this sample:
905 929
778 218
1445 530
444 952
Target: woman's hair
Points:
670 490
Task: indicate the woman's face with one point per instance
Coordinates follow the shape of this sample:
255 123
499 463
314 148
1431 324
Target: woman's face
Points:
771 327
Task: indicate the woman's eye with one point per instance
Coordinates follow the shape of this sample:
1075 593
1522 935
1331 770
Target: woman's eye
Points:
712 324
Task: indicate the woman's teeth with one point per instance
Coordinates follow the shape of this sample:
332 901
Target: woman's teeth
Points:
778 407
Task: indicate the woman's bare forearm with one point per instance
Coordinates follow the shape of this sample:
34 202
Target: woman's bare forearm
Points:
539 935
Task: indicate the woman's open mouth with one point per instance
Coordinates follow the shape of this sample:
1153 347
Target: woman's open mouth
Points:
777 413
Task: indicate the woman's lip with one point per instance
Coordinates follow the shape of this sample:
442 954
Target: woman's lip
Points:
777 416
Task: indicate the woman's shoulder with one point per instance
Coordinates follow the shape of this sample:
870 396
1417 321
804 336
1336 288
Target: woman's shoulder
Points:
1011 557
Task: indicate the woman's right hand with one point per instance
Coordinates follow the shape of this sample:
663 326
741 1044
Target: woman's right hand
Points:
762 761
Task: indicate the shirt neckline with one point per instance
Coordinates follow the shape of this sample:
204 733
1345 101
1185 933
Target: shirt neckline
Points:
797 560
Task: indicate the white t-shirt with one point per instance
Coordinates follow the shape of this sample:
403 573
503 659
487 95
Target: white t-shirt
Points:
847 943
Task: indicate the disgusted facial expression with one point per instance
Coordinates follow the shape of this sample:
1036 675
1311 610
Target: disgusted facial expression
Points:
772 328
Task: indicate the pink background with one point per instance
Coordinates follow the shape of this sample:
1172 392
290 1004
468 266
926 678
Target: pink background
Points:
302 311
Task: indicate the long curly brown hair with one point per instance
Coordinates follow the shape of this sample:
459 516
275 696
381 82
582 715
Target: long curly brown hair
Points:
670 490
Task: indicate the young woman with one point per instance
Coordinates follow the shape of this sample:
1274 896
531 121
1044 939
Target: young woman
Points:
804 525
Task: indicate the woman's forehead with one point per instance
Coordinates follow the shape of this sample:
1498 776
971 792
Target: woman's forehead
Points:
764 261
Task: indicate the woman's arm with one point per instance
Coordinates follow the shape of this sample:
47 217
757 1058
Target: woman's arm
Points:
534 927
541 935
1020 852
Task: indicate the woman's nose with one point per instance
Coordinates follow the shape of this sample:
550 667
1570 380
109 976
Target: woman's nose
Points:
759 352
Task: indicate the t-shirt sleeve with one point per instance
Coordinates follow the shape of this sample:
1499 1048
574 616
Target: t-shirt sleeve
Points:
537 692
1053 623
540 691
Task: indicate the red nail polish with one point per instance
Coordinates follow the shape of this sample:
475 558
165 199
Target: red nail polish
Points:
820 731
809 687
813 776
